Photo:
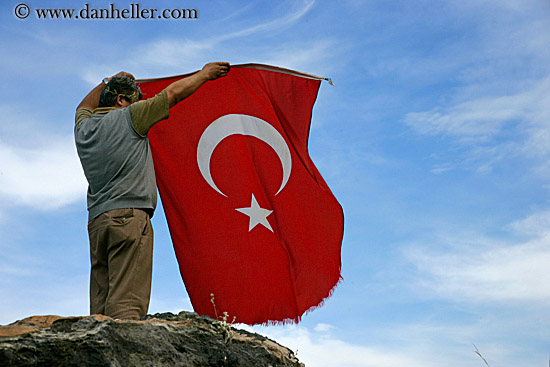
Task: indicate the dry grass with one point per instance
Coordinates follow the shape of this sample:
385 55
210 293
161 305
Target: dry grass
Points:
480 356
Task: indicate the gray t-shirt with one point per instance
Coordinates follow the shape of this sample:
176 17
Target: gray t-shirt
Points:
116 159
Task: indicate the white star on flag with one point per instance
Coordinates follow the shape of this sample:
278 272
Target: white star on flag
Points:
257 215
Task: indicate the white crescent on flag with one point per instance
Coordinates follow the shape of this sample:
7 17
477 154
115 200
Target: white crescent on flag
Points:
228 125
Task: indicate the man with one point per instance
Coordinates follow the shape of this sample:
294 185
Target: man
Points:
111 139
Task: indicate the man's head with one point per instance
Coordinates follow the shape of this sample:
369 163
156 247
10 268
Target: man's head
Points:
121 91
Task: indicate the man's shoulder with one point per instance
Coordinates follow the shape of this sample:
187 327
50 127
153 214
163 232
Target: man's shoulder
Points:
148 112
84 113
93 120
81 114
160 101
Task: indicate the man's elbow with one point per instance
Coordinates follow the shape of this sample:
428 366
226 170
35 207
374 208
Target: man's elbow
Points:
172 97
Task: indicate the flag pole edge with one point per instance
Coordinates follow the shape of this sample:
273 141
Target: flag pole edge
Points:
245 66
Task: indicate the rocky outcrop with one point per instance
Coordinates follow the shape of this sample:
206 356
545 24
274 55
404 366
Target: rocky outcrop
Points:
182 340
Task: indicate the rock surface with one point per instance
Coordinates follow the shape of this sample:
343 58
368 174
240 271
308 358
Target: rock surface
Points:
182 340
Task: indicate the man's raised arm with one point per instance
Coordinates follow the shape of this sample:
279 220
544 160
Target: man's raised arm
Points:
92 99
183 88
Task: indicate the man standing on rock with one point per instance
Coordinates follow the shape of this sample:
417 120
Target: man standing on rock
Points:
111 139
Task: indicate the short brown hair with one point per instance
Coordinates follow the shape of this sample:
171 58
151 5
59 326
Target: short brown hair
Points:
122 84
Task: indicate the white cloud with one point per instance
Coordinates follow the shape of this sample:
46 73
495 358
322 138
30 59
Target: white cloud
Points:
270 26
323 328
496 102
450 342
38 168
172 52
427 343
185 55
320 349
493 128
477 269
536 224
45 177
484 118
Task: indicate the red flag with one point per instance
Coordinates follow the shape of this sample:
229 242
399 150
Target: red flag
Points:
251 219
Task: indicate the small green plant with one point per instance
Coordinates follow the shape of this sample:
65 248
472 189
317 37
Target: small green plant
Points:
221 321
226 330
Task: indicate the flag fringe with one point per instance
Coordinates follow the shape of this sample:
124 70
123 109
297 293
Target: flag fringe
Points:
295 321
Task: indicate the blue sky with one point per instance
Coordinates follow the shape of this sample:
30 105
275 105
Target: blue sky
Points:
435 140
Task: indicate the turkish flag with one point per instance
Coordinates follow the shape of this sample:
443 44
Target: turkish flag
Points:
251 219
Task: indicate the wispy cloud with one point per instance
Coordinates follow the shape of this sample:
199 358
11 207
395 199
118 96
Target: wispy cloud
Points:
496 102
428 343
42 178
41 171
318 347
185 54
483 118
450 342
493 128
270 26
479 269
536 224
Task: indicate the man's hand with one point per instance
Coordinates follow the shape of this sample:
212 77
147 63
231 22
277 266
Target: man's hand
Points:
183 88
214 70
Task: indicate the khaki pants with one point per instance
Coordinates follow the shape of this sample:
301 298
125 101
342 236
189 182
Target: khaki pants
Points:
121 254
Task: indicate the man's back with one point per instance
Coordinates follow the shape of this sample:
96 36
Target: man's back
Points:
117 162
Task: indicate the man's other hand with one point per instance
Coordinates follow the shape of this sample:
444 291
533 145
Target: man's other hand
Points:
214 70
183 88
